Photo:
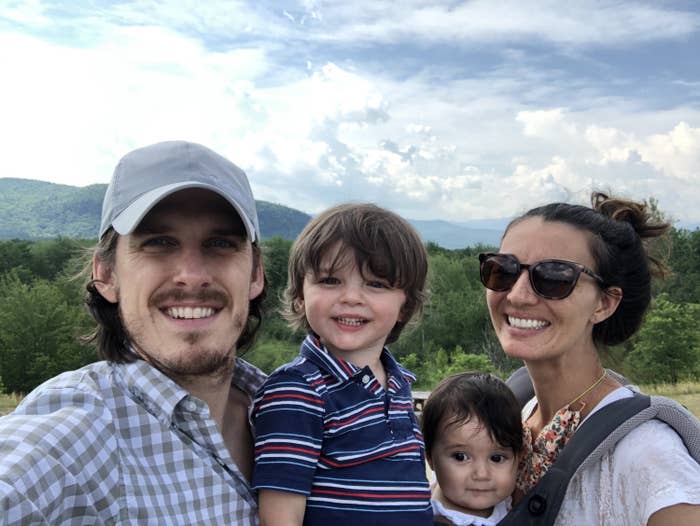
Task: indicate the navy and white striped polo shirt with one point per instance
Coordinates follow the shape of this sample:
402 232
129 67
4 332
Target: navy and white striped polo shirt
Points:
327 429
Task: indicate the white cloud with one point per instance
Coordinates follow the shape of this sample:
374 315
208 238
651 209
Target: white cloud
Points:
315 126
605 22
676 153
549 124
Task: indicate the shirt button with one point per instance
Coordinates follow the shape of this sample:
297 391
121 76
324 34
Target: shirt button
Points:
365 379
190 405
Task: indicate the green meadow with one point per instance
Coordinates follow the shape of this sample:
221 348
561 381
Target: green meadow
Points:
687 393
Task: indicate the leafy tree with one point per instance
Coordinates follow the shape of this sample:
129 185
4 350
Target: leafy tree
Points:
38 333
275 257
455 314
269 354
444 363
50 257
667 348
14 253
683 285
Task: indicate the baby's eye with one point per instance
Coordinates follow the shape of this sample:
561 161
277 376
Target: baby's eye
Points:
460 456
498 458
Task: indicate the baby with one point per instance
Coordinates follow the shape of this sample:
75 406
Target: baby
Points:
473 436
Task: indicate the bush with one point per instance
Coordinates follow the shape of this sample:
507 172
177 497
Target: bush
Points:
667 348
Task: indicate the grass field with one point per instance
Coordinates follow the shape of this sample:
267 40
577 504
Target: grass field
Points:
687 393
8 403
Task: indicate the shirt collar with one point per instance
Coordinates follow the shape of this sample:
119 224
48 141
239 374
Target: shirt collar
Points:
160 395
314 351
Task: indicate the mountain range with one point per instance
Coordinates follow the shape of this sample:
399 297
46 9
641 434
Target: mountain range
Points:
31 209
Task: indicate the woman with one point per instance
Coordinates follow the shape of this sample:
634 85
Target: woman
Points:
569 280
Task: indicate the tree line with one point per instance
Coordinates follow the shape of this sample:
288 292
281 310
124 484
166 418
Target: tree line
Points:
42 317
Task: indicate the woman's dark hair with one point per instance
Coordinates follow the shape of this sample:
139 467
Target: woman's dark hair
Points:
110 337
619 231
463 396
375 240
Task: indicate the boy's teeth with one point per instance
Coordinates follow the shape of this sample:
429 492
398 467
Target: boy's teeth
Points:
355 322
520 323
190 313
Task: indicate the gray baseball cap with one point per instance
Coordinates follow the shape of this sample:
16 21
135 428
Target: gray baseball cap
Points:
145 176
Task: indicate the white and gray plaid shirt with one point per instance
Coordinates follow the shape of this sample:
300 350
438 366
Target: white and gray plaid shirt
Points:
120 444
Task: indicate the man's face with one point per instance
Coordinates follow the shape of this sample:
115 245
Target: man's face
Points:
183 280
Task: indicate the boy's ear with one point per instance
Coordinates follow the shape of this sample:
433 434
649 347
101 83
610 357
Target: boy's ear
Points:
105 280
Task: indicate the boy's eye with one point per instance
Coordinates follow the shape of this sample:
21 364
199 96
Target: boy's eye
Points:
328 280
378 284
460 456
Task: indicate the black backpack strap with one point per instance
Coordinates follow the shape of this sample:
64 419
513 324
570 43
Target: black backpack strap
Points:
541 504
521 385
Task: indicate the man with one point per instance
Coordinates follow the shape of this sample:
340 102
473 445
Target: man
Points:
158 433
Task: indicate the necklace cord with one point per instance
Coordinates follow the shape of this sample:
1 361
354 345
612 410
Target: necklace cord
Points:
589 389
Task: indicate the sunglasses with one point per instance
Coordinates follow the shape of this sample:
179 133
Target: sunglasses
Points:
552 279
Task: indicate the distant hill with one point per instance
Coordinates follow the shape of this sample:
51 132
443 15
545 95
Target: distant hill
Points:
32 209
457 235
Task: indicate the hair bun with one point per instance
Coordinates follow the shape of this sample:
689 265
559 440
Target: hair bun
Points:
635 213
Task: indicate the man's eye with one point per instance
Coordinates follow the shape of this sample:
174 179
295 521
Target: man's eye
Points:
158 242
220 243
460 457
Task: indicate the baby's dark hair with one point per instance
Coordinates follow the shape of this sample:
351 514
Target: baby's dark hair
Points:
464 396
376 240
619 230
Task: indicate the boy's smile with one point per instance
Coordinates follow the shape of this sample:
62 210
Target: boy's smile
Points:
352 314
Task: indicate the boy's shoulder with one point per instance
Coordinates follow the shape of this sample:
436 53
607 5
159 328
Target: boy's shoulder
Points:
298 370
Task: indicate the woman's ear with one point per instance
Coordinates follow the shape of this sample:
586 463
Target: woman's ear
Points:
609 301
105 280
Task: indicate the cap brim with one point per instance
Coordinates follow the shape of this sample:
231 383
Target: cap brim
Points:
129 219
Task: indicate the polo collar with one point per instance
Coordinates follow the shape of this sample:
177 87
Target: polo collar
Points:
314 351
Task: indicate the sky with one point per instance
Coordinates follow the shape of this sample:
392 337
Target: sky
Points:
435 109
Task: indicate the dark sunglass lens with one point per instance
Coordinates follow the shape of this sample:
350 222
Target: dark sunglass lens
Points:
554 279
499 272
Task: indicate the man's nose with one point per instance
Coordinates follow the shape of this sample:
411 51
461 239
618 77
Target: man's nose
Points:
192 268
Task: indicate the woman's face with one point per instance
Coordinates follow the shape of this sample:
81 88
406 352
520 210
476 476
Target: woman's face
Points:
530 327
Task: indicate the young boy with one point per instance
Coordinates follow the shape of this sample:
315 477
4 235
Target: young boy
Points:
473 436
337 442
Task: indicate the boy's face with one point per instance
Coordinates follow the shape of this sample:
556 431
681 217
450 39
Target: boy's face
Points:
474 472
352 314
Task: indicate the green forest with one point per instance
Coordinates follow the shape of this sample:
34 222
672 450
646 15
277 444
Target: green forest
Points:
42 317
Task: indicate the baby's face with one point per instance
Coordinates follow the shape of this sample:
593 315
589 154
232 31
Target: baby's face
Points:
474 472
